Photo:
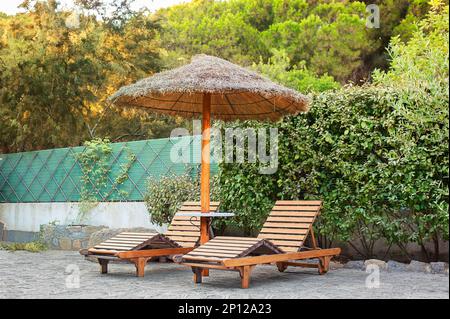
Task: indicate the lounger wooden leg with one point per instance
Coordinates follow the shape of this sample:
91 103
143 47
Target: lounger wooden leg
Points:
324 265
282 266
140 263
198 272
103 266
245 273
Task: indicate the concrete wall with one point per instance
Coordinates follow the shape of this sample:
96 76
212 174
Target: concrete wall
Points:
27 217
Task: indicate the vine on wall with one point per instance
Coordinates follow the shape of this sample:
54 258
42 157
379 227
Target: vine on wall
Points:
95 168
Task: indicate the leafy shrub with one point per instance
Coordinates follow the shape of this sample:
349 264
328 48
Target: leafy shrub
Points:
380 173
244 191
422 62
164 196
377 155
33 247
247 193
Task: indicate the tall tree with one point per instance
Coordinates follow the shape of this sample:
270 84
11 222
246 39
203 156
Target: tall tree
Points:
57 69
329 37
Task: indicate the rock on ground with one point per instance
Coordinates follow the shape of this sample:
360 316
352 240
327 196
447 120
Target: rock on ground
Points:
438 267
375 262
418 266
396 266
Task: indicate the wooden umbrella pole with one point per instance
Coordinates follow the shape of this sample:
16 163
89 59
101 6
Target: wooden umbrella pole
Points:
205 168
205 171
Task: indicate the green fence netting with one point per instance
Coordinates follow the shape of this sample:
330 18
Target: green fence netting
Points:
55 175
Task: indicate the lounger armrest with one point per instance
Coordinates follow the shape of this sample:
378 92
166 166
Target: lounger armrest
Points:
146 253
267 259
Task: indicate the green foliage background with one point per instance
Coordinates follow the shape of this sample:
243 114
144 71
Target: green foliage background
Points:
58 66
377 155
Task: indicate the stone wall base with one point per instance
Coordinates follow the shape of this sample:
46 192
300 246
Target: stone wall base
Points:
66 237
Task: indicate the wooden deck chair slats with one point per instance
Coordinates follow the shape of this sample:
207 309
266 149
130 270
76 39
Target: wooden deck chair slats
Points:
280 241
182 236
283 227
185 230
133 241
231 247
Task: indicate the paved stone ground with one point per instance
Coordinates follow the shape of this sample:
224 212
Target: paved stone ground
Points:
44 275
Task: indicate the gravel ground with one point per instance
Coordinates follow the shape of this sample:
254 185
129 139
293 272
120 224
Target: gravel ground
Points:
54 274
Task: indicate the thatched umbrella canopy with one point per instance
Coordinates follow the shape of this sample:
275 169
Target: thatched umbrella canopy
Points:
236 93
211 86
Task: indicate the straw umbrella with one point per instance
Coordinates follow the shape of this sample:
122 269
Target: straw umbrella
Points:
206 87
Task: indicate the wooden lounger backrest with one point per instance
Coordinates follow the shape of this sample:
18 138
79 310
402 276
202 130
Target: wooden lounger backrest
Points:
289 223
185 230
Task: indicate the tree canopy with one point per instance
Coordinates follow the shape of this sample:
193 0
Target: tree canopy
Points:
57 67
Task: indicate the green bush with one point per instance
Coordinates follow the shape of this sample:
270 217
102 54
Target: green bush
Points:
381 174
33 247
247 193
165 195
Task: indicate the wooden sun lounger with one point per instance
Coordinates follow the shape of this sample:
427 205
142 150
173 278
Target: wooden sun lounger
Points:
280 242
181 237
